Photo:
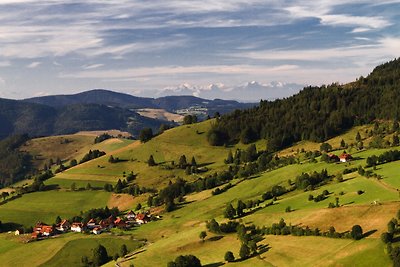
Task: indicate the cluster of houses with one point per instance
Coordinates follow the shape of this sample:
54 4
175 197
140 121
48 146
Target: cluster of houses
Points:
344 157
42 230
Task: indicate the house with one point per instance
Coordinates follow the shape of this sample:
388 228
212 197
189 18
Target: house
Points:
97 230
92 224
64 226
333 158
17 232
141 218
130 215
120 223
77 227
47 230
345 157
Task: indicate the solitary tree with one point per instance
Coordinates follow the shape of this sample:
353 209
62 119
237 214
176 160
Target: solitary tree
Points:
230 212
229 257
151 161
203 235
123 250
358 137
240 207
229 159
356 232
194 163
182 162
244 252
325 147
342 144
100 255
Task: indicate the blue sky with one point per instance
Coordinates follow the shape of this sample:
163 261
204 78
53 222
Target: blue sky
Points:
146 47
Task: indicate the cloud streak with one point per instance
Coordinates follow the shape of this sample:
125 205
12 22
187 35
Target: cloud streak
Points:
125 44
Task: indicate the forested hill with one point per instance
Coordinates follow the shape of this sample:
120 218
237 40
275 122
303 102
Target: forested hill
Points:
121 100
18 117
316 113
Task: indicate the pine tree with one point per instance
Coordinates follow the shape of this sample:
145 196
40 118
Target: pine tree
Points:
194 163
182 162
100 255
230 212
151 161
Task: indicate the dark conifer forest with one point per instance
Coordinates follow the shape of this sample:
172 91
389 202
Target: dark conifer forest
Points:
316 113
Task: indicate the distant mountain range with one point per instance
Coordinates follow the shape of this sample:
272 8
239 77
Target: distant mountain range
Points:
94 110
249 92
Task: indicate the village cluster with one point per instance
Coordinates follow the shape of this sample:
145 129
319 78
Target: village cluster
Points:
42 230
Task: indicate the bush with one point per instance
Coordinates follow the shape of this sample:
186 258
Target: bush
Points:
229 257
185 261
356 232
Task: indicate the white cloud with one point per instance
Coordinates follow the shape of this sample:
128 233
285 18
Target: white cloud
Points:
5 64
92 66
34 65
177 70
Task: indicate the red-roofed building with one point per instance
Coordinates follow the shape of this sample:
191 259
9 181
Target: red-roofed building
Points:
64 226
120 223
141 218
345 157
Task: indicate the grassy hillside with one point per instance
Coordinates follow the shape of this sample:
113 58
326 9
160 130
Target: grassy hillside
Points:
177 233
67 147
64 250
46 206
188 140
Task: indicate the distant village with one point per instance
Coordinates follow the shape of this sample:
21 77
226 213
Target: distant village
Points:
93 226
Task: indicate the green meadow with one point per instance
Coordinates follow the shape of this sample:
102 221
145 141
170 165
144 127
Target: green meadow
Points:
46 206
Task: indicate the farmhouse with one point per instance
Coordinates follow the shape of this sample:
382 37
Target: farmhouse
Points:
97 230
77 227
120 223
141 218
130 215
64 226
42 229
92 224
345 157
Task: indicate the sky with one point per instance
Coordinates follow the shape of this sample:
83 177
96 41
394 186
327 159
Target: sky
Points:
201 47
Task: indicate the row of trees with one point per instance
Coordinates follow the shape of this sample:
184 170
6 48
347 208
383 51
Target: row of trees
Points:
281 228
387 156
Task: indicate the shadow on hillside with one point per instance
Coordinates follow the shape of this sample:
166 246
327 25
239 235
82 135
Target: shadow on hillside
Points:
10 226
366 234
217 264
215 238
348 203
204 164
261 250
